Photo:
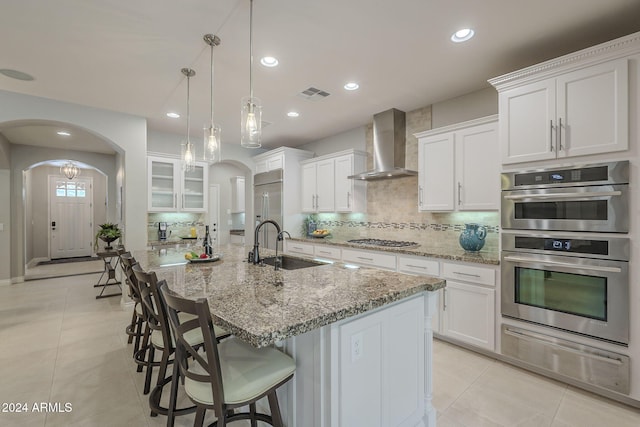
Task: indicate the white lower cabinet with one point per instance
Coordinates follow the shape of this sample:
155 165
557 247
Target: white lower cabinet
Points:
469 309
327 252
298 248
369 259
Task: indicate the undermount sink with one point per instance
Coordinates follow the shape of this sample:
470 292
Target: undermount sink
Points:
290 263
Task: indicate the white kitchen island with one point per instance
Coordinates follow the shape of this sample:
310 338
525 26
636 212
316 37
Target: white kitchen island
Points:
361 337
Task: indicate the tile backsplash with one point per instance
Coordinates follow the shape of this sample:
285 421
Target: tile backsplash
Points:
178 224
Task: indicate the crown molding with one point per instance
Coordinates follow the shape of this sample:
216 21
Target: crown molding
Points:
614 49
457 126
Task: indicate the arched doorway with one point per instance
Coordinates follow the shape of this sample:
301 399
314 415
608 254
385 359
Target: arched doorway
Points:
62 214
127 136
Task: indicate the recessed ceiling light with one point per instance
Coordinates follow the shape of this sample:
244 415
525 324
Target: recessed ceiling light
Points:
269 61
293 114
351 86
63 133
18 75
462 35
173 115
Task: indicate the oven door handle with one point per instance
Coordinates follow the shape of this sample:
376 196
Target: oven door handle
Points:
564 264
561 196
532 338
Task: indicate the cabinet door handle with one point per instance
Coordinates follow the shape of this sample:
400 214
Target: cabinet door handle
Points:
560 134
365 258
444 299
313 201
324 252
298 248
459 193
467 274
418 266
551 135
420 195
175 201
348 199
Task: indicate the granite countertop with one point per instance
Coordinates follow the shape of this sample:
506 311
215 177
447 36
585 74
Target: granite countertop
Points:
262 306
172 241
434 248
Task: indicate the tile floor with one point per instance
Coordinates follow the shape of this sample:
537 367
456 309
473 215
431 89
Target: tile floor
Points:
61 345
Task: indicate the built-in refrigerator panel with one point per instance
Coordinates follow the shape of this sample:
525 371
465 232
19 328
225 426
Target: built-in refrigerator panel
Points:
267 202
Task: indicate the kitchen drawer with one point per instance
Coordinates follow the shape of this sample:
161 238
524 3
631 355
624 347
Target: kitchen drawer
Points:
418 265
370 259
299 248
329 252
468 273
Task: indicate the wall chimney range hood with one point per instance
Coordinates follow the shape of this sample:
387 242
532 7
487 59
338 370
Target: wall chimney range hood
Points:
389 145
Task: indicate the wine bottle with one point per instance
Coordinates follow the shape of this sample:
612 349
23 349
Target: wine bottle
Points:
206 244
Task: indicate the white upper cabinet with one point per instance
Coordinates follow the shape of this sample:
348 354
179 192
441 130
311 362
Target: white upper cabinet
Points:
458 167
573 106
269 162
318 186
350 194
172 190
325 186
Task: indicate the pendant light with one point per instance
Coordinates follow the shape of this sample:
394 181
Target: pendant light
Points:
251 121
188 149
70 170
211 147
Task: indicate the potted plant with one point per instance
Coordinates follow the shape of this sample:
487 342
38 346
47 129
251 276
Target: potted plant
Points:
108 233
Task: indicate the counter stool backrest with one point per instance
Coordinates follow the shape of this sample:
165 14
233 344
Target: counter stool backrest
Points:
210 361
154 308
128 261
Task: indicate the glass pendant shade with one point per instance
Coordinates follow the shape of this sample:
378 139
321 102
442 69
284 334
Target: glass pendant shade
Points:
188 155
211 146
70 170
251 123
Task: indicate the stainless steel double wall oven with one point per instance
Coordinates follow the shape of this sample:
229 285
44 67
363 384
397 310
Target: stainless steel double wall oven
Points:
565 266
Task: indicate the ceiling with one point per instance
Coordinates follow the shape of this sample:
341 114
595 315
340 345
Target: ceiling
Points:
127 55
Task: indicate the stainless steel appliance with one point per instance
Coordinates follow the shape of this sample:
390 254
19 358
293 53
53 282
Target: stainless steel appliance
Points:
581 198
267 202
389 147
162 231
575 282
385 243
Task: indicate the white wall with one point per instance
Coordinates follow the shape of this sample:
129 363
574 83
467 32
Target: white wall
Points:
473 105
126 133
5 211
168 143
353 138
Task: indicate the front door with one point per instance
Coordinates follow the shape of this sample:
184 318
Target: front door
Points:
70 217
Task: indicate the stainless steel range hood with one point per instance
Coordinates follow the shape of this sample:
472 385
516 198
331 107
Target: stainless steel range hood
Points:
389 145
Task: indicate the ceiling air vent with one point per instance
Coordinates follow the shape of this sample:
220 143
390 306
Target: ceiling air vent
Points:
313 94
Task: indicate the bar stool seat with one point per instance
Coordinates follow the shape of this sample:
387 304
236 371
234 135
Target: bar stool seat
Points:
247 372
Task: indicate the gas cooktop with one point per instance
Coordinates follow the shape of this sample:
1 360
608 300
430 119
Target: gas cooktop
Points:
385 243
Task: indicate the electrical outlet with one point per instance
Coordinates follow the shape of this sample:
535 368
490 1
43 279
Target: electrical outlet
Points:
356 347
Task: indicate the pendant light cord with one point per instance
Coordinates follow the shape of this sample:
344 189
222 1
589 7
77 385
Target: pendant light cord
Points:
188 114
212 86
251 51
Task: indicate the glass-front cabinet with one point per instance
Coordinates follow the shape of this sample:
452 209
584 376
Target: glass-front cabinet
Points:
172 190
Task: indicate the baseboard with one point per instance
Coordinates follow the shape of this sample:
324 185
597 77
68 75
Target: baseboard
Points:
13 280
34 261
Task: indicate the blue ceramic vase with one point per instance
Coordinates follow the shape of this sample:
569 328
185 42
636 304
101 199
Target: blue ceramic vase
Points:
472 237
